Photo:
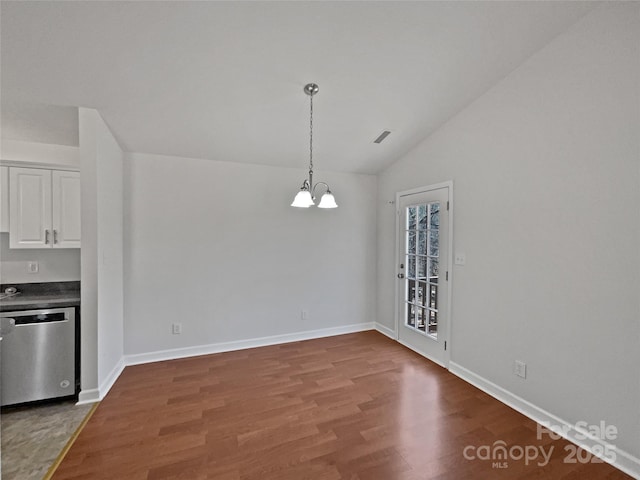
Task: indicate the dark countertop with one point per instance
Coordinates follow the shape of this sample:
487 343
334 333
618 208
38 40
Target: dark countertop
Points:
34 296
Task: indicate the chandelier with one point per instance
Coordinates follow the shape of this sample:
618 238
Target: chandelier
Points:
306 196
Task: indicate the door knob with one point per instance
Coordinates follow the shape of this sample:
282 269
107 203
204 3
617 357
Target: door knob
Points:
401 275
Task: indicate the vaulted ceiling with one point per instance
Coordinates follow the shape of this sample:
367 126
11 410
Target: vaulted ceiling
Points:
223 80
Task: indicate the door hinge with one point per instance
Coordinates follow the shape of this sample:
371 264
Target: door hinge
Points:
447 276
445 344
447 205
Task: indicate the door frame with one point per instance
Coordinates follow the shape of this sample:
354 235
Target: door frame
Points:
449 259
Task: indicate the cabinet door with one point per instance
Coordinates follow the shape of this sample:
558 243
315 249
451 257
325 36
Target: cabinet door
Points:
4 199
29 208
66 209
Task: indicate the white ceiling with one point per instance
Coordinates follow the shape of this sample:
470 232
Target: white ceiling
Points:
223 80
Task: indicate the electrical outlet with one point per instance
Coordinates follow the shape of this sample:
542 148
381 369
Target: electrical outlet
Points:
32 267
176 328
520 369
460 259
304 314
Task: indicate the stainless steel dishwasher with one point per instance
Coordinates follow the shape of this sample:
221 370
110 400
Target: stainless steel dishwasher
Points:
38 355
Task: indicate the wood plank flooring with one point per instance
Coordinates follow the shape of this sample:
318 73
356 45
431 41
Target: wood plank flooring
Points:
356 407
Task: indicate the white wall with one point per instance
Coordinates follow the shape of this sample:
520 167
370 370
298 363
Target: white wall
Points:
54 265
102 255
216 246
89 255
44 153
546 171
110 254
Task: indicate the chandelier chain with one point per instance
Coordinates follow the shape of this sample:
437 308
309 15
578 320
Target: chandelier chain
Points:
311 134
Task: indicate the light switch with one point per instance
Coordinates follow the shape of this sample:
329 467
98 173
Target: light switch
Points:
460 259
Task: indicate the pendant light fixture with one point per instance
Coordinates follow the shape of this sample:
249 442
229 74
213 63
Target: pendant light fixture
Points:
306 196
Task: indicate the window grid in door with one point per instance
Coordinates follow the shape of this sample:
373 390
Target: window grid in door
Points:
422 255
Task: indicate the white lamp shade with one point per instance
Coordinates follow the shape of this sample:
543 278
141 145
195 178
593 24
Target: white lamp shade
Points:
303 199
327 201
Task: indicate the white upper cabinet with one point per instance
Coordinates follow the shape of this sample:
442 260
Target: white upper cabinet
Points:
29 208
4 199
66 209
44 208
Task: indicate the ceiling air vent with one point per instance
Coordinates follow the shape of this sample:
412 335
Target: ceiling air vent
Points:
382 136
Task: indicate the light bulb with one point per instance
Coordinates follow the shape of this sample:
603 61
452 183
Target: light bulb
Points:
303 199
327 201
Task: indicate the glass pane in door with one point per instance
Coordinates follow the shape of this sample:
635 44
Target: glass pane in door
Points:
422 260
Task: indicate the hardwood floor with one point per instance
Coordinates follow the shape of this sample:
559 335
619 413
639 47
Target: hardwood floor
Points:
357 407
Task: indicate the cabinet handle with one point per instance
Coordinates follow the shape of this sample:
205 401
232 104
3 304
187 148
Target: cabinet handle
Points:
55 236
46 237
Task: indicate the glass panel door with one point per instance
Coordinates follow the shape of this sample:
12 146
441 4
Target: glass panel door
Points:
423 277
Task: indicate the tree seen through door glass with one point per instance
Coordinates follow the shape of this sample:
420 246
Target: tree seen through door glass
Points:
434 240
434 215
411 266
412 215
422 268
422 243
433 270
422 217
411 243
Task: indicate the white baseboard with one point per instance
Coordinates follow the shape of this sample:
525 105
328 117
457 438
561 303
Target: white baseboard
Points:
88 396
383 329
175 353
111 378
624 461
94 395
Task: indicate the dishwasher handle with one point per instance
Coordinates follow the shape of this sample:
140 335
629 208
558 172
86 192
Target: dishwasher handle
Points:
40 317
7 325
